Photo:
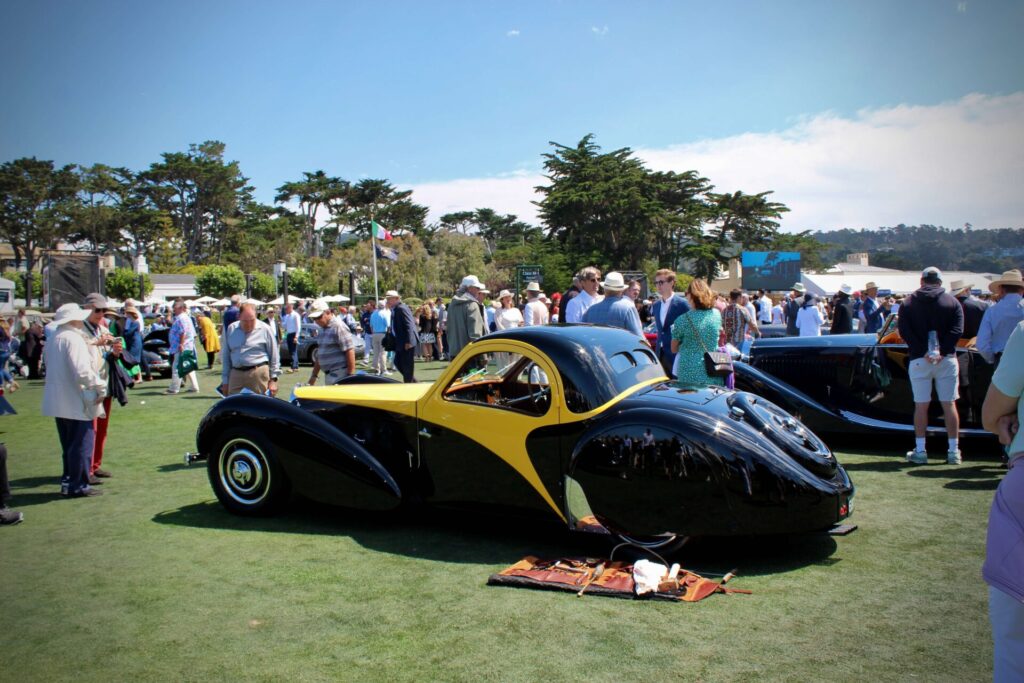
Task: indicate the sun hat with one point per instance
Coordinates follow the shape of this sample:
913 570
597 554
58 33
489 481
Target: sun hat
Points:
931 274
798 287
533 287
870 285
614 282
70 312
95 300
472 281
846 289
958 285
503 293
317 309
1010 277
392 294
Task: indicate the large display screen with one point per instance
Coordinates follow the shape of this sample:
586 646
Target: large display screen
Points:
770 270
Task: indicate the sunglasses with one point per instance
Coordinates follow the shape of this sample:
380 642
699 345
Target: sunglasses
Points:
662 282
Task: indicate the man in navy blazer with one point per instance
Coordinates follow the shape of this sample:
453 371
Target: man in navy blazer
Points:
667 308
407 339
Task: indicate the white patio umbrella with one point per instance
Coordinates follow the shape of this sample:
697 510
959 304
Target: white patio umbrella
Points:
279 301
336 299
205 300
254 302
217 303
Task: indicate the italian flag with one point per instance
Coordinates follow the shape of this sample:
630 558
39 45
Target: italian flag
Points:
379 232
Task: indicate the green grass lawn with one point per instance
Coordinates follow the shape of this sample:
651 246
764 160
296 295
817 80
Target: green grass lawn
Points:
155 581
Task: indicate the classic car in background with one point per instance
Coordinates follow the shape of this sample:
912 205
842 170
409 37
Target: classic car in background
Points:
308 341
156 347
573 423
857 383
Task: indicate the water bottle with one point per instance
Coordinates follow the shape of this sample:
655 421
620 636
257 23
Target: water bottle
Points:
934 354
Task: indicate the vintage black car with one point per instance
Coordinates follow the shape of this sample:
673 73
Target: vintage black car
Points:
573 423
158 353
857 384
307 343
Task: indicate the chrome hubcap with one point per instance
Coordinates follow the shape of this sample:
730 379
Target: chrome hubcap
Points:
244 473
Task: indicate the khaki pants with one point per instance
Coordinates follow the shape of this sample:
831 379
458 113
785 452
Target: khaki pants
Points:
256 380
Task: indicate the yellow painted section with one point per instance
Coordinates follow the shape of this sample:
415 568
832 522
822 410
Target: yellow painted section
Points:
502 432
395 398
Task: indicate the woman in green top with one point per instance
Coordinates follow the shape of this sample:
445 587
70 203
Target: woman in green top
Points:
702 319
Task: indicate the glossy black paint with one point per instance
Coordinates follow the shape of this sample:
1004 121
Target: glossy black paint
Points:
852 384
673 460
715 462
321 461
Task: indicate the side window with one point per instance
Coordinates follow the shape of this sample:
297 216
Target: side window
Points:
575 400
501 380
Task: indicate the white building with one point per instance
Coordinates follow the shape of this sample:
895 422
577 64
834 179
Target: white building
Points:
170 287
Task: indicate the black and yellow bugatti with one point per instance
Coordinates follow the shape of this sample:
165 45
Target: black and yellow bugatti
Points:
576 423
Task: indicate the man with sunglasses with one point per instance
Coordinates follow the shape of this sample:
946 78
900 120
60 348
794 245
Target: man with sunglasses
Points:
667 308
589 278
98 332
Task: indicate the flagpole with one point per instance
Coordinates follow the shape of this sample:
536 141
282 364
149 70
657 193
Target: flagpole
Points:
373 247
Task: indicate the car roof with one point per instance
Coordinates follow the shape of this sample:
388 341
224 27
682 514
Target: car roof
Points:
582 354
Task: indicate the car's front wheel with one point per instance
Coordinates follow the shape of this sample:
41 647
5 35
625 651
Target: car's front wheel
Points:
245 473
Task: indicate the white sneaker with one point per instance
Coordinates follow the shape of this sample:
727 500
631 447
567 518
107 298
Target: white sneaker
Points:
953 458
917 457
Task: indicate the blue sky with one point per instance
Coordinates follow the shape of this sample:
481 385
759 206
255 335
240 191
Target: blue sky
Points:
458 100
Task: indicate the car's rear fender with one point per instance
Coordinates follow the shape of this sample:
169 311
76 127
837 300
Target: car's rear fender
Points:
322 462
816 416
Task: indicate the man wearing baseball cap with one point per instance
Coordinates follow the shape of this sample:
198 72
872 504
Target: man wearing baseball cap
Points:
931 322
336 350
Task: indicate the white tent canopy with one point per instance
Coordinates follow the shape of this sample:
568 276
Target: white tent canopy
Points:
205 300
896 281
336 299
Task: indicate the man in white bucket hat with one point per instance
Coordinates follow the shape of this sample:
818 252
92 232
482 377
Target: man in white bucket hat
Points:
615 310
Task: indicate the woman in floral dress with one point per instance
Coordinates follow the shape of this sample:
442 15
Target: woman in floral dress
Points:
702 319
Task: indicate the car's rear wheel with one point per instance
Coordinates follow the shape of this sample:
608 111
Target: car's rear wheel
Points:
787 432
245 473
314 354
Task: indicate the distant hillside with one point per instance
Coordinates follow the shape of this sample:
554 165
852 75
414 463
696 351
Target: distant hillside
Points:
910 247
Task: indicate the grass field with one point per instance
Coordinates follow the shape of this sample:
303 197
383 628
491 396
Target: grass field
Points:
155 581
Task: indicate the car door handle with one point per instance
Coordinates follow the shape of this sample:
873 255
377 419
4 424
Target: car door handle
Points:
425 434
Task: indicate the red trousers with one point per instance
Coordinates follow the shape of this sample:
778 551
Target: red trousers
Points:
100 424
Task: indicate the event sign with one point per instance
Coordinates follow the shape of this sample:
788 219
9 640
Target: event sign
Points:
770 270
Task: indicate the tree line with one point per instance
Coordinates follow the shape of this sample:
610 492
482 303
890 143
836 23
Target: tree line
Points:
195 210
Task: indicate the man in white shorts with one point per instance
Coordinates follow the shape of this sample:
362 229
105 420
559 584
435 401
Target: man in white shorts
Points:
931 321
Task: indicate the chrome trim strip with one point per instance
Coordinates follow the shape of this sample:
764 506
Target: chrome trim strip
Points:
895 426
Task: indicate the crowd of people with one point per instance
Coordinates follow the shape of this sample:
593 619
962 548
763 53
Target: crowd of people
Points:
93 353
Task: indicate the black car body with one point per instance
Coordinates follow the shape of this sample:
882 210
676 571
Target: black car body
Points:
156 347
857 384
572 423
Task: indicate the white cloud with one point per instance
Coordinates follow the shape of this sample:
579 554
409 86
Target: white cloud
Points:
945 164
599 32
513 33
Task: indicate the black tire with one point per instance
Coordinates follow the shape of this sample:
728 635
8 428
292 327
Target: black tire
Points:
245 473
314 354
800 443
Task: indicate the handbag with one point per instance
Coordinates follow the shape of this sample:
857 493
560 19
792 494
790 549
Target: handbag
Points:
389 340
186 362
716 363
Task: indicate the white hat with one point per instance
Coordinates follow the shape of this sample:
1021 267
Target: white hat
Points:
870 285
1010 277
845 289
958 285
932 274
69 312
614 282
798 287
317 309
392 294
472 281
504 293
533 287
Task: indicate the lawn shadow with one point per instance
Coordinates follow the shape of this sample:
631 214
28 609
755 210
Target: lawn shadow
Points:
888 465
33 482
24 500
975 485
449 536
987 472
173 467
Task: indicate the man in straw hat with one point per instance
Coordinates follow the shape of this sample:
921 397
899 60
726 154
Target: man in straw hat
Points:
999 321
931 322
98 331
974 308
73 395
615 310
872 314
535 312
842 311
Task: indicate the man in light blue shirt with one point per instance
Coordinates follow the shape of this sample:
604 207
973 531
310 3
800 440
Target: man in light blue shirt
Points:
380 321
614 310
1000 320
